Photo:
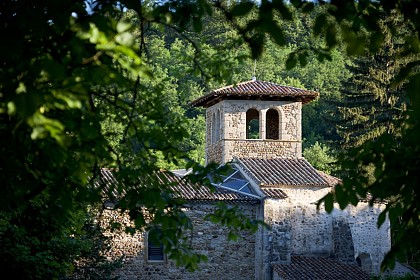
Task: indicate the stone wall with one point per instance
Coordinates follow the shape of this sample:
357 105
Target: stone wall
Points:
215 152
311 230
226 259
300 229
343 241
261 149
370 243
297 228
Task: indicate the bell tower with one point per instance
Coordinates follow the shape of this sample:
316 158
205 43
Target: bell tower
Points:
254 119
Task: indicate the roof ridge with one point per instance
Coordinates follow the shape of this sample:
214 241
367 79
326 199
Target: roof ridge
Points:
256 88
232 85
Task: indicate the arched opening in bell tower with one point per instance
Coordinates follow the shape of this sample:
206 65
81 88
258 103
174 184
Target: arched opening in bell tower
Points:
272 124
252 124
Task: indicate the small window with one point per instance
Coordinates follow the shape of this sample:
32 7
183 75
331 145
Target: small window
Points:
252 124
154 247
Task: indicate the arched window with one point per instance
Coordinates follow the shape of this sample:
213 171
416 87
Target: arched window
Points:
272 124
154 247
252 124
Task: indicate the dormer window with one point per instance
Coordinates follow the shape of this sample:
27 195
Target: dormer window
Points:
252 124
272 124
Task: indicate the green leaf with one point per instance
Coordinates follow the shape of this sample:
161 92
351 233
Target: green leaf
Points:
284 10
197 24
403 74
256 43
125 39
331 36
11 108
242 9
381 218
123 25
340 196
21 88
277 34
355 43
394 213
329 202
376 41
44 126
320 22
308 7
297 3
38 132
303 58
71 101
291 61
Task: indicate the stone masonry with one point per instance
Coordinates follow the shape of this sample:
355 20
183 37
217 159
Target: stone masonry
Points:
226 259
298 228
226 130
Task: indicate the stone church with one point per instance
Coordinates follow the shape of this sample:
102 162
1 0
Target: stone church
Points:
256 127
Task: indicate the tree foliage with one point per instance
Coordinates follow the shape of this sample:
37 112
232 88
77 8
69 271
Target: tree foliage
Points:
382 167
321 157
371 105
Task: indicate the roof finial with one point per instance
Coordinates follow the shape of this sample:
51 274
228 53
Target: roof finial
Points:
254 78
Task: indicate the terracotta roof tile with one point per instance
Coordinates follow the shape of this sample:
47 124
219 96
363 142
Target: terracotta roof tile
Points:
278 172
331 180
187 190
255 89
274 192
318 268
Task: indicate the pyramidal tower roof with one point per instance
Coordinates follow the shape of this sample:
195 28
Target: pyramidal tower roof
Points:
255 90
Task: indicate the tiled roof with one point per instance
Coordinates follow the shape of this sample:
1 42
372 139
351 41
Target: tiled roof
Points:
274 192
255 89
187 190
195 192
318 268
279 172
331 180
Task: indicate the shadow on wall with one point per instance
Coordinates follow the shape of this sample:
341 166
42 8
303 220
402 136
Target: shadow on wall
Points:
365 262
343 242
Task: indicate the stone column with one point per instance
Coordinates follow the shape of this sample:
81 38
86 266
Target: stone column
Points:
262 117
